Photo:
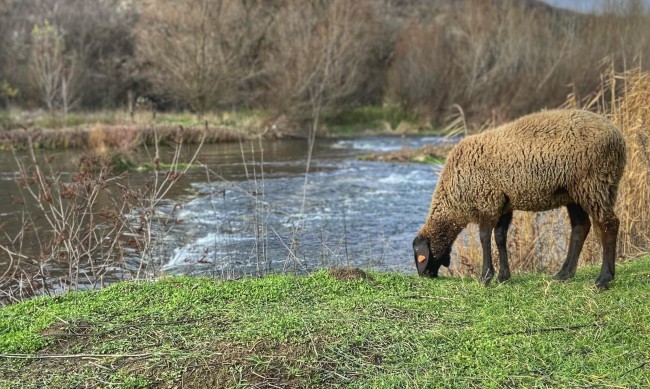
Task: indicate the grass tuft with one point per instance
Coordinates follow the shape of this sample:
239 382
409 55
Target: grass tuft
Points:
389 118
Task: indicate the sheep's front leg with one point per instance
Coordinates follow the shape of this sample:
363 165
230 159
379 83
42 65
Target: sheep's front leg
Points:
500 236
485 232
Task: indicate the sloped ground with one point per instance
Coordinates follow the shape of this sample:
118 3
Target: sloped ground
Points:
341 328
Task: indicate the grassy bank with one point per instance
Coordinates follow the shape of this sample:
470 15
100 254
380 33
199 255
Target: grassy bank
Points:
386 330
387 119
116 137
77 130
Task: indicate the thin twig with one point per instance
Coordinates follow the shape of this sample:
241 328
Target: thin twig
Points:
551 329
642 365
418 296
68 356
129 326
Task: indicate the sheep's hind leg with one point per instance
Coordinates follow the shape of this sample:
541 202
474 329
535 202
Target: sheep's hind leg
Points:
500 236
608 228
580 226
485 232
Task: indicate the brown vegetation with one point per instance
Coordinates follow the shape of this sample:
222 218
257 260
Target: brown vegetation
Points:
199 51
495 59
626 99
421 154
118 137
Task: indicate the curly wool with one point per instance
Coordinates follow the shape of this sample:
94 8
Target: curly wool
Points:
539 162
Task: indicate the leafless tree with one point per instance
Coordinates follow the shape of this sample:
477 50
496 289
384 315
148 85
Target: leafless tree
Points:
52 71
201 51
317 55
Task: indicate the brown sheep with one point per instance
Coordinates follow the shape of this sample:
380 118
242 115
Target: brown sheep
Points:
539 162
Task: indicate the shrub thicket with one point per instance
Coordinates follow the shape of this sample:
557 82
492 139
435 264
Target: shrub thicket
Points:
494 59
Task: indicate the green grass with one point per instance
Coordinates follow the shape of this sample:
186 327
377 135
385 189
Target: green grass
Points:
428 159
6 121
361 119
15 118
388 331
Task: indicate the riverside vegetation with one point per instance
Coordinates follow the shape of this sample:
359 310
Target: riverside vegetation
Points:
115 130
497 60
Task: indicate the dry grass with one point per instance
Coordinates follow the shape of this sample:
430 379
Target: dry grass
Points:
117 137
538 241
626 99
428 153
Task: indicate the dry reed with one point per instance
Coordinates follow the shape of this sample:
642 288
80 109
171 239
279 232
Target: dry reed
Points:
625 98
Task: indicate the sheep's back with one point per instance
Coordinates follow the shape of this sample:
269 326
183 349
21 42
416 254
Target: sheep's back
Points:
535 163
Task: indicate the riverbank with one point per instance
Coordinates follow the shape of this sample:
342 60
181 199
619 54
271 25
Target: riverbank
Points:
436 153
120 129
332 329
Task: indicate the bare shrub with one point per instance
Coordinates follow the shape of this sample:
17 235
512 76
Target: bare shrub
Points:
85 226
501 60
202 51
316 57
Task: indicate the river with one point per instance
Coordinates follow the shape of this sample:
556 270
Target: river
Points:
256 212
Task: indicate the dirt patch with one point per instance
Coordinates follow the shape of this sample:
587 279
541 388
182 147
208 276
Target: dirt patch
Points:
69 328
82 354
265 365
422 155
349 274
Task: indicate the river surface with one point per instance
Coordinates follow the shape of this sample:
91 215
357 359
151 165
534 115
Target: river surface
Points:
256 212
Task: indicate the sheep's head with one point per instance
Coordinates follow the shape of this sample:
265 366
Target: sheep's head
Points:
427 259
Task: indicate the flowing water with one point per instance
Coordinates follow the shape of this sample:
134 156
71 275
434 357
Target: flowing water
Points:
257 212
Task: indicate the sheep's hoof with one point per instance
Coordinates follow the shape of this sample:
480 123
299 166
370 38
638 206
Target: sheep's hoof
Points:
504 276
563 276
602 283
486 279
